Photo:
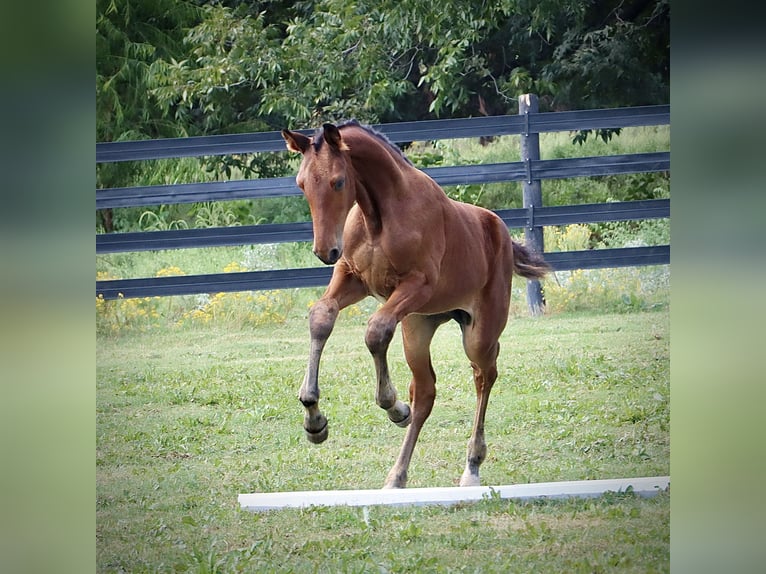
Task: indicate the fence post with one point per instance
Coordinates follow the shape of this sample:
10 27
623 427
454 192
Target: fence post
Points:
533 198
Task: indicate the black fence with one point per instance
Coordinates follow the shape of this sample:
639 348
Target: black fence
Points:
529 217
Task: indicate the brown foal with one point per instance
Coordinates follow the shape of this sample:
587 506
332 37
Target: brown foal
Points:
393 233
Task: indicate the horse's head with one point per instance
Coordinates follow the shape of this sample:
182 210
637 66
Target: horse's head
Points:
326 182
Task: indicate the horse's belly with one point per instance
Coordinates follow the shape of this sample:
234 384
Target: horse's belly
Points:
449 293
445 302
380 297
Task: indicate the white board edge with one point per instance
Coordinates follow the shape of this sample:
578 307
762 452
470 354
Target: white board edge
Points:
445 496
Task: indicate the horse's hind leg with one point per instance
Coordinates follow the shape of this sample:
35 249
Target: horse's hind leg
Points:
484 378
480 340
417 332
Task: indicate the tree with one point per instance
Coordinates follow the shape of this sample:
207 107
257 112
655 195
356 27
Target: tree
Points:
396 60
170 68
131 35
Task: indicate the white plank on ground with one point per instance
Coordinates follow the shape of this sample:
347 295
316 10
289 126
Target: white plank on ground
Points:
261 501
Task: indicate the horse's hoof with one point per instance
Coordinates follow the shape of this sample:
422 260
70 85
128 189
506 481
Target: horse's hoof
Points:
317 437
468 479
395 415
395 480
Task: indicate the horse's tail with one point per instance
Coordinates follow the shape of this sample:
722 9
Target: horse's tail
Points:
527 263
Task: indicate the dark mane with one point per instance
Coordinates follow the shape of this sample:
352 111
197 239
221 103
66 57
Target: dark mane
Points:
319 138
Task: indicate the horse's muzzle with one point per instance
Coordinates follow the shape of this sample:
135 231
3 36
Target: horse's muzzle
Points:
330 258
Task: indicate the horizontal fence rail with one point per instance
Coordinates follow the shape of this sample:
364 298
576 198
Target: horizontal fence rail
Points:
525 171
445 176
401 132
196 192
214 283
209 237
320 276
290 232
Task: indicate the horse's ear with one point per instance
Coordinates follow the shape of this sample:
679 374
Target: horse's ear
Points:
296 142
332 137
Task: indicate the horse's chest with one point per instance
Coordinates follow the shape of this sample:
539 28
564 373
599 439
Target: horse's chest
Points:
375 270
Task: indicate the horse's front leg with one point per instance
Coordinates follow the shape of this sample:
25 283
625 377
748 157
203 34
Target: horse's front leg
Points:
321 322
344 289
408 297
380 331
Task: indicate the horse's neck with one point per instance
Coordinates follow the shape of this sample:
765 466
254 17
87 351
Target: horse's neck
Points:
369 207
380 182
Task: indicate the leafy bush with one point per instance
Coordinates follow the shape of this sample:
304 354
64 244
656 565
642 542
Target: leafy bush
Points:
607 290
238 309
241 308
616 289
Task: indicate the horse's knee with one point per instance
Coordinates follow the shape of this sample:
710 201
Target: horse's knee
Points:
380 331
322 318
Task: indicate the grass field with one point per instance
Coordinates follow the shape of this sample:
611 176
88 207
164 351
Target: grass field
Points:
189 417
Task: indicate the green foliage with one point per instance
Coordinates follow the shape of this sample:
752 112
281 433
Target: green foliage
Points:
618 290
557 145
131 37
169 69
281 210
604 65
605 134
231 67
221 214
160 220
408 60
234 310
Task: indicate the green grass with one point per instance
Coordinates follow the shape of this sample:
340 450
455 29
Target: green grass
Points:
187 418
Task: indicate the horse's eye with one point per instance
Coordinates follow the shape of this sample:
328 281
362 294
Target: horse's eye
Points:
339 183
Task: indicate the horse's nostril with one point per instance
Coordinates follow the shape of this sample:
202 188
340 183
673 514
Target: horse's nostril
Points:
332 256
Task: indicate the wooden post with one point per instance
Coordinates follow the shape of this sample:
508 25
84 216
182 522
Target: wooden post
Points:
533 198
